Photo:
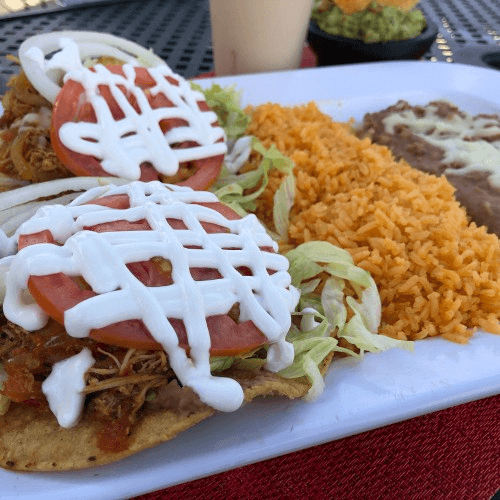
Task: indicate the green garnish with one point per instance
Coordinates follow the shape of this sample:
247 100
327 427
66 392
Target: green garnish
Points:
324 312
225 102
374 24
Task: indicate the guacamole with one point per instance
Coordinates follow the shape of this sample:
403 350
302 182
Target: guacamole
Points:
374 24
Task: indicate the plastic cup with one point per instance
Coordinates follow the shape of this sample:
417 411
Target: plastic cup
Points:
252 36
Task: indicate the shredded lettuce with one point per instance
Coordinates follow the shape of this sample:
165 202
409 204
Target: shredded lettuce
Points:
240 191
221 363
326 312
226 103
323 313
309 260
283 202
312 346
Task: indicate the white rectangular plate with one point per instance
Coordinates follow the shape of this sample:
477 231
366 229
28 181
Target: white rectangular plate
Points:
360 394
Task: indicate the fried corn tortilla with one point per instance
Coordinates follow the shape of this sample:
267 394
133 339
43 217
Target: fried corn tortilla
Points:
34 441
123 413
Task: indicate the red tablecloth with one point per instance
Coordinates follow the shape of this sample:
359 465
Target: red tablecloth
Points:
450 454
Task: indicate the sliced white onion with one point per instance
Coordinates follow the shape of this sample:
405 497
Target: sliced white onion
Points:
4 267
91 44
12 218
20 204
32 192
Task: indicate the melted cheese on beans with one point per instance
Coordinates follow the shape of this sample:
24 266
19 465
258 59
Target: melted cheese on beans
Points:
100 258
470 143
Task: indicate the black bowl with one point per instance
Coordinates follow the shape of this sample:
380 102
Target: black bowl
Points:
331 49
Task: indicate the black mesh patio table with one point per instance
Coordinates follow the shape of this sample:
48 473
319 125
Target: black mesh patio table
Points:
179 30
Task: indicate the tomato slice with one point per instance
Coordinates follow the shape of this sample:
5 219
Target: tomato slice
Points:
70 106
56 293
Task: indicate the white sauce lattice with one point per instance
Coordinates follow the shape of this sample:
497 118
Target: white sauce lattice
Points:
266 297
123 145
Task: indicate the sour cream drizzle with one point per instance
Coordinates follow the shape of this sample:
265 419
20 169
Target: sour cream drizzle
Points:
100 258
64 387
122 145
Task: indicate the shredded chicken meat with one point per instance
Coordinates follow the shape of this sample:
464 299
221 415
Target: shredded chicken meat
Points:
119 384
25 149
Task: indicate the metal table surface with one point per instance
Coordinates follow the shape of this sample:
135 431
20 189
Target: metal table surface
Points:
179 30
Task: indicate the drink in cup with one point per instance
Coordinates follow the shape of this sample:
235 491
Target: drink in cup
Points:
250 36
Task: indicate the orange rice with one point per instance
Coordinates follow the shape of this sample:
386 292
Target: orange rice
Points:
437 273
